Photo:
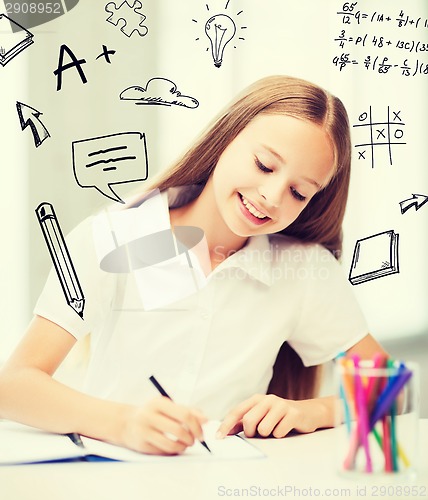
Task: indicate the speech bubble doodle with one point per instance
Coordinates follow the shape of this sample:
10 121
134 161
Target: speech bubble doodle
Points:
101 162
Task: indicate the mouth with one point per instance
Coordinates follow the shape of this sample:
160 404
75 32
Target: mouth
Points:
252 213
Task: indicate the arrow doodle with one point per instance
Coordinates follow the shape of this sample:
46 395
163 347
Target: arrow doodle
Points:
29 116
416 201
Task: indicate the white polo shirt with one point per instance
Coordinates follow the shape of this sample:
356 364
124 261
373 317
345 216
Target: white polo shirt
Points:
212 341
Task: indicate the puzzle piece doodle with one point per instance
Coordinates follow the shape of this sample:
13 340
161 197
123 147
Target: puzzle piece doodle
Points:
130 15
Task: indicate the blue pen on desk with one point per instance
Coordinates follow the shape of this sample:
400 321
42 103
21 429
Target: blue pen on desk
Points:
164 393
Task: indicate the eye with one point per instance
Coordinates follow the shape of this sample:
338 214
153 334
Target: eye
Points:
297 195
262 167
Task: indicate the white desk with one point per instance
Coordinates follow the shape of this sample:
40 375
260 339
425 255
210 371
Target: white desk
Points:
305 462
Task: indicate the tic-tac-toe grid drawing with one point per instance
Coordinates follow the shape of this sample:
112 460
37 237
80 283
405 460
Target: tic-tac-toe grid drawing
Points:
382 135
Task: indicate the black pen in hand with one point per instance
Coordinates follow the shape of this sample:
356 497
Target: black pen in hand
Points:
164 393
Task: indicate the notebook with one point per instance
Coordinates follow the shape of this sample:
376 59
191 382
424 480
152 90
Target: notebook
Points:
21 444
12 42
374 257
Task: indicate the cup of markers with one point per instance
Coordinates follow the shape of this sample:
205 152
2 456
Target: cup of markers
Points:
377 416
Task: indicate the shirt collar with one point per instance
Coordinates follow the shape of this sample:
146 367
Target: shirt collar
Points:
254 258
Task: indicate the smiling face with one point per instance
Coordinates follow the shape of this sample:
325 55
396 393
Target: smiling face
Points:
267 175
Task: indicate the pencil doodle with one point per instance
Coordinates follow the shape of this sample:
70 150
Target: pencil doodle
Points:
382 134
101 162
417 201
60 256
76 63
29 117
374 256
30 13
131 16
220 30
14 38
158 91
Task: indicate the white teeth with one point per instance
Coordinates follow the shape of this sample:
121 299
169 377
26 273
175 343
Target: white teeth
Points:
252 209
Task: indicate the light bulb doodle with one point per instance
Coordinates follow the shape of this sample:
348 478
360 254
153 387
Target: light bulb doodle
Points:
220 29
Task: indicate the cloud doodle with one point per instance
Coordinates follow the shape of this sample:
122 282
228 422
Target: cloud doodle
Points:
158 91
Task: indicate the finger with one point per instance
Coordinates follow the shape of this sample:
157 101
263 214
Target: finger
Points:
234 417
194 425
148 439
254 416
171 427
150 449
236 428
182 415
283 427
272 418
164 444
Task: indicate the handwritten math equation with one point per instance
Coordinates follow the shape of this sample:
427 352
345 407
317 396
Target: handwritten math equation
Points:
369 34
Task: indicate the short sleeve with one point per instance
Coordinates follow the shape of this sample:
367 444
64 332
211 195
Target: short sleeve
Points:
97 287
330 320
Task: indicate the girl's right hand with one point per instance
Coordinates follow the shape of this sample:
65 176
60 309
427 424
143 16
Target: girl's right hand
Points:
162 427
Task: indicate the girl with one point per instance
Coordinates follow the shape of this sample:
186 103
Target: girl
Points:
267 184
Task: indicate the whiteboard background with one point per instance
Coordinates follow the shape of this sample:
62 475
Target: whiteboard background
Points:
282 37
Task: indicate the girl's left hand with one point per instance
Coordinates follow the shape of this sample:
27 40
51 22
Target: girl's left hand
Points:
270 415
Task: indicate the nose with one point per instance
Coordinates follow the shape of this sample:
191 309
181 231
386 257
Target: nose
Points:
273 192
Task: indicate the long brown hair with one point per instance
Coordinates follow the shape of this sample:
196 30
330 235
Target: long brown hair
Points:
320 221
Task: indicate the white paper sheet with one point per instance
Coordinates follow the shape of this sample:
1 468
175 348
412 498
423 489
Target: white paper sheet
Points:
20 444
